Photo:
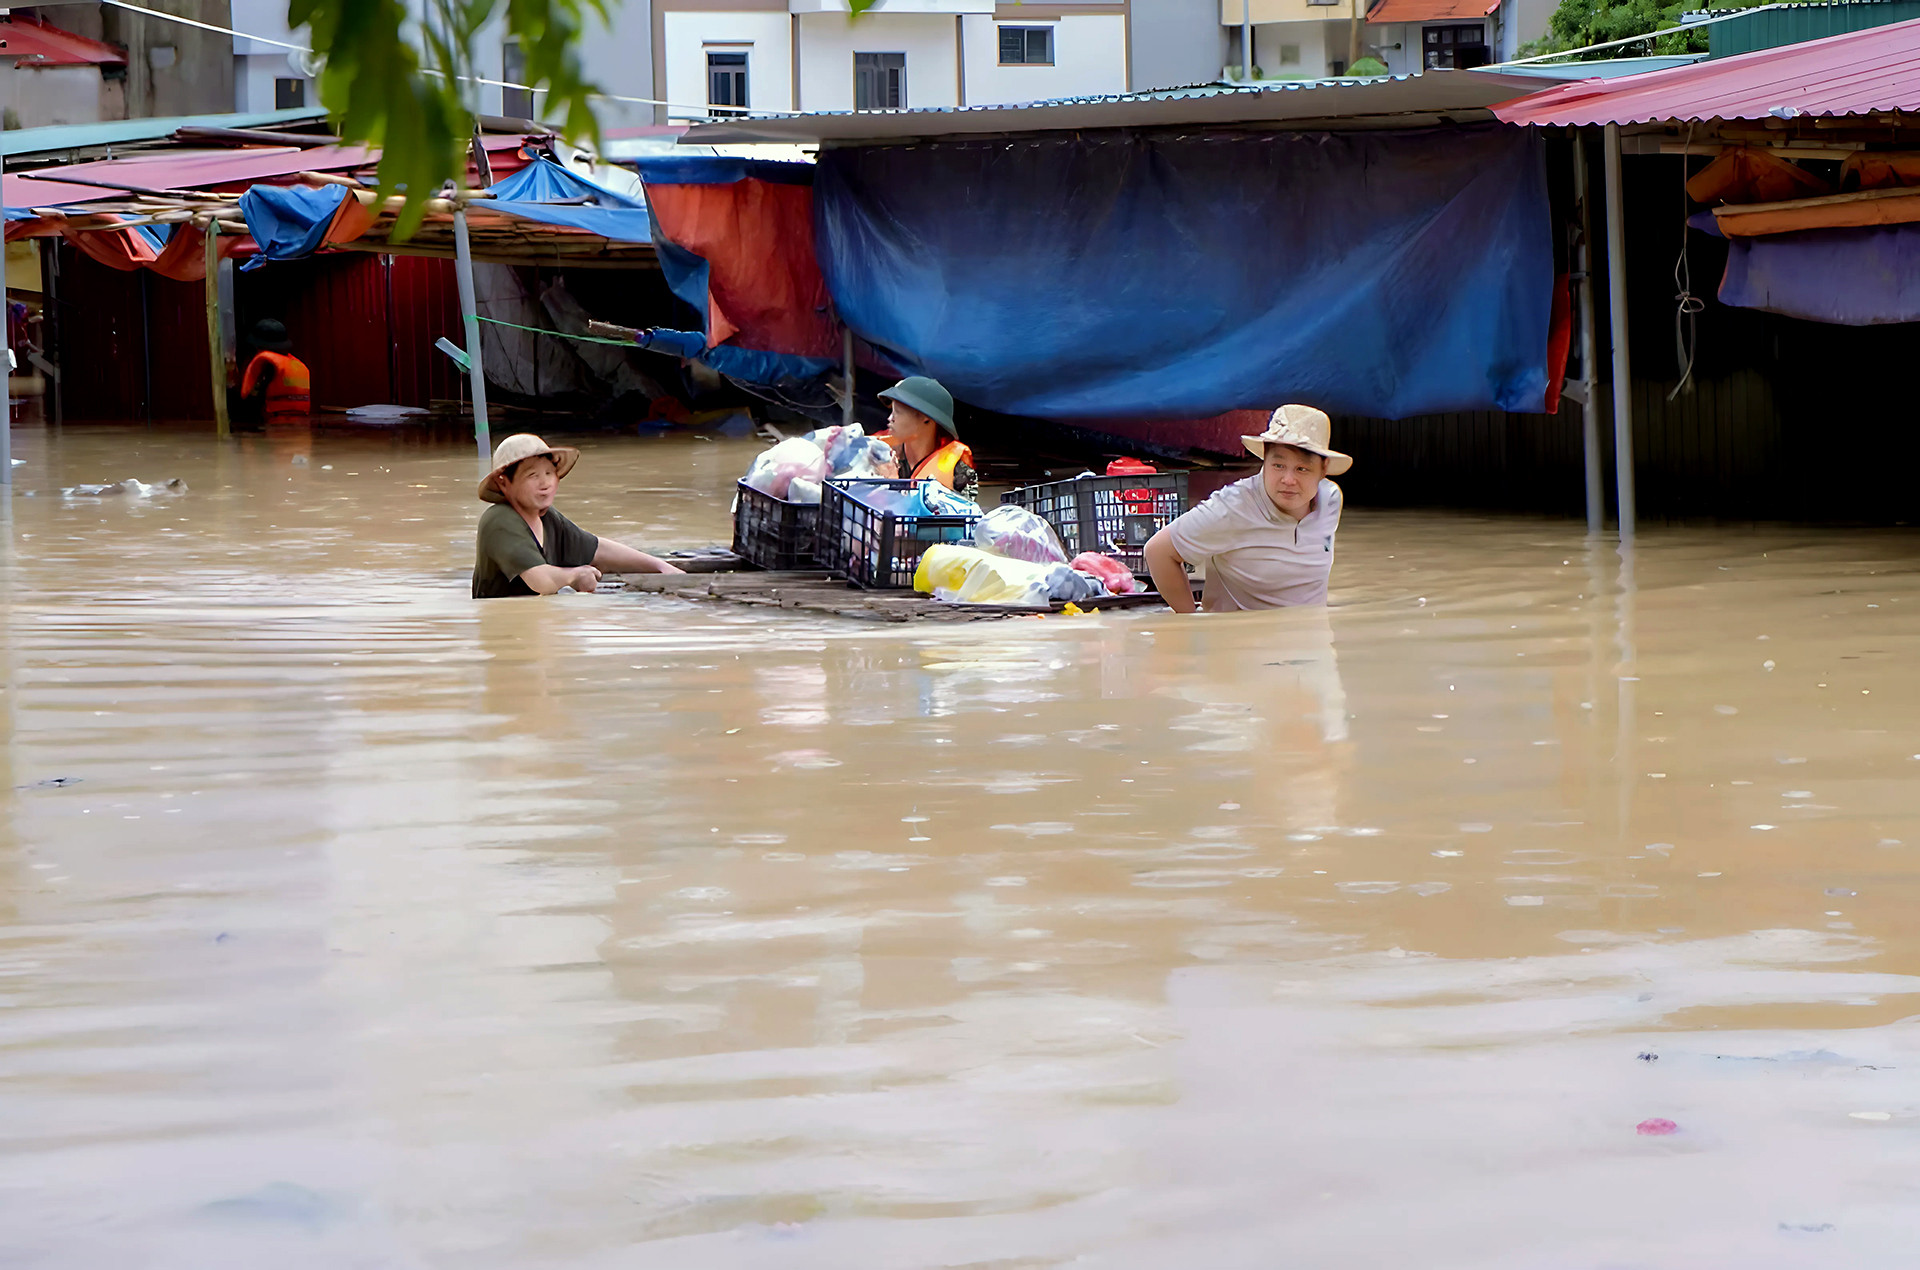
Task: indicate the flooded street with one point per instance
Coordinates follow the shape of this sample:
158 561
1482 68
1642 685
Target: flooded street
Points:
348 922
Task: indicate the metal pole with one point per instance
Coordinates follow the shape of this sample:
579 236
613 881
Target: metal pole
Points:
6 372
1246 41
1622 366
216 353
470 317
846 360
1590 407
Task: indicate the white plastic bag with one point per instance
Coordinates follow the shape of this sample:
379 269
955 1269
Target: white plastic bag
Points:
774 471
1014 532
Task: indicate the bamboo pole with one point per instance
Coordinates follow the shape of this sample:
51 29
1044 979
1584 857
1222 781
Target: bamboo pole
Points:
216 357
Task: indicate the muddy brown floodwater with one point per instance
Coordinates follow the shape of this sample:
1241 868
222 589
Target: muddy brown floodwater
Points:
345 922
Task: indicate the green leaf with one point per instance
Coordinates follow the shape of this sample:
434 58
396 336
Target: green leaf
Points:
408 85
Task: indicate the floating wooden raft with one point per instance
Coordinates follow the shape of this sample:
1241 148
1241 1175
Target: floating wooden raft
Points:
814 592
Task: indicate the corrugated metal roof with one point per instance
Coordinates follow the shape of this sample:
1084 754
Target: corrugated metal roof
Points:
35 43
1396 100
87 136
1858 73
16 192
1605 68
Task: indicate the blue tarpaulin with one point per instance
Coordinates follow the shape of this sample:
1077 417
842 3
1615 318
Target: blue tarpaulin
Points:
777 370
537 193
1852 277
1132 276
289 221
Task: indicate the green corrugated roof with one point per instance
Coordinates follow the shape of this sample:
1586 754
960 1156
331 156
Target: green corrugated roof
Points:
1794 24
85 136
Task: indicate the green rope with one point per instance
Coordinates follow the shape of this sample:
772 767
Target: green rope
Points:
541 330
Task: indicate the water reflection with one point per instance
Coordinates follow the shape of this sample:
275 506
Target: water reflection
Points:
347 921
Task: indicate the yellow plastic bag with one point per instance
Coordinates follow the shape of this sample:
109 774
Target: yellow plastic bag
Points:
968 575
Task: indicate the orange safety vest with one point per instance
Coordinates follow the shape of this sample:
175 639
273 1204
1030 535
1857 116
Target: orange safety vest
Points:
941 465
286 381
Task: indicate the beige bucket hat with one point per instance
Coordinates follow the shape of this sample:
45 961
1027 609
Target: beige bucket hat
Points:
524 445
1303 428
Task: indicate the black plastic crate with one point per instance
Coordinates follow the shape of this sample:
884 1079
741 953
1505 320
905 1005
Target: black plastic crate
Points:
771 533
875 549
1113 515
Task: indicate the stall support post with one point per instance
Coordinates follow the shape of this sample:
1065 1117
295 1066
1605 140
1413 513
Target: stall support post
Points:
846 386
6 370
1622 365
216 350
1589 365
470 318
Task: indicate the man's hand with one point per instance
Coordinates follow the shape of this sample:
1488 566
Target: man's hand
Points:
585 579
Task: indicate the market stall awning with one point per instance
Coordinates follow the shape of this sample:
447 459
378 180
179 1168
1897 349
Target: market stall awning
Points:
1430 11
1860 73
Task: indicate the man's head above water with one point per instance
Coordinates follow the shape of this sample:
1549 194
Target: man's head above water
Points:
526 473
1291 476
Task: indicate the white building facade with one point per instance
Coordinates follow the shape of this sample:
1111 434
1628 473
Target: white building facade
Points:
718 56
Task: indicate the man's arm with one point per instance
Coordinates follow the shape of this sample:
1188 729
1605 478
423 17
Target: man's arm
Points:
617 557
547 579
1169 572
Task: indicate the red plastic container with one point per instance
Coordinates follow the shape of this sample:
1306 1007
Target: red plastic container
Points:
1138 501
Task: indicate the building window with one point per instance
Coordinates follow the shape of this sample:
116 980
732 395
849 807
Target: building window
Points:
879 81
727 83
1289 55
1026 46
515 103
1457 47
289 94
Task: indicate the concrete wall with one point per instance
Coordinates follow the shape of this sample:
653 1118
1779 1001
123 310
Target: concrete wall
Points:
171 69
255 64
828 43
1315 47
1174 43
765 37
34 97
1089 59
1264 11
619 58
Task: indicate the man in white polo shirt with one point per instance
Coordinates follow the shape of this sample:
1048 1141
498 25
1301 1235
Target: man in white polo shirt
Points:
1265 542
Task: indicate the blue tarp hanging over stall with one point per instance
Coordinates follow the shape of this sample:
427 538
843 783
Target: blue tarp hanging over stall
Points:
537 193
1852 277
1134 276
289 222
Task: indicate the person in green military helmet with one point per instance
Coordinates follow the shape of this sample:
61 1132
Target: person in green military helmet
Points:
926 445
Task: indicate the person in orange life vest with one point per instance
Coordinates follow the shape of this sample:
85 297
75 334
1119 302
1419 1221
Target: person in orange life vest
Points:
925 442
275 378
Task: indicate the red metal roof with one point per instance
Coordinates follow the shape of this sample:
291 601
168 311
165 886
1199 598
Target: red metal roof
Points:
16 190
35 43
1853 74
1429 10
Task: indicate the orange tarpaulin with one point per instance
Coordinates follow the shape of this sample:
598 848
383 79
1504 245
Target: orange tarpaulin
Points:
184 258
1747 174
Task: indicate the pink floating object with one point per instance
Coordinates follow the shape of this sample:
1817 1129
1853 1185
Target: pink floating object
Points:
1656 1128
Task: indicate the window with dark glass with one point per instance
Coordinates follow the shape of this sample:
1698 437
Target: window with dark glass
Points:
879 81
515 103
727 83
1457 47
1026 46
289 94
